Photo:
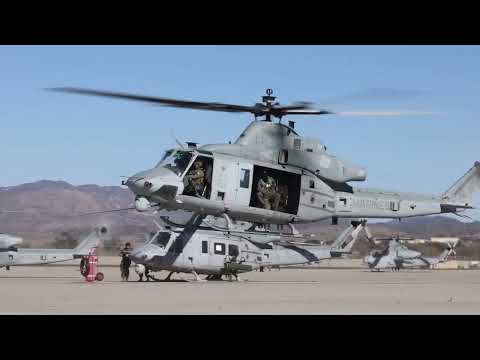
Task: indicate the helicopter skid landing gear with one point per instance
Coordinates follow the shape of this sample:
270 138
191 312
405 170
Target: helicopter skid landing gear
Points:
214 277
232 276
197 278
168 276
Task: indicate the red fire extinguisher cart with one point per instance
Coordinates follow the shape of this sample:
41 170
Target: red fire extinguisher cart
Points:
89 267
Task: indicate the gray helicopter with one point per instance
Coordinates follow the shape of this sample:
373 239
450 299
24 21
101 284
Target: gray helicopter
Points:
197 249
272 175
396 256
11 255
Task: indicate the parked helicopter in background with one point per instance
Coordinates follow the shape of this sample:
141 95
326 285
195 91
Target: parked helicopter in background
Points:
272 175
11 255
397 256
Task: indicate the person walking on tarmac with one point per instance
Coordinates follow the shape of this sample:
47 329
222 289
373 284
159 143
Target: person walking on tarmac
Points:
125 262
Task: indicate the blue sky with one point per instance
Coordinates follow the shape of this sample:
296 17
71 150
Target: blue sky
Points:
46 135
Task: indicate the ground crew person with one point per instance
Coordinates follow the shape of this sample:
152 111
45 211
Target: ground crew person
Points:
267 192
125 262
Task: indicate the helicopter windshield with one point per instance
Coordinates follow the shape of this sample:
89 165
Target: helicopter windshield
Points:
161 239
375 253
176 160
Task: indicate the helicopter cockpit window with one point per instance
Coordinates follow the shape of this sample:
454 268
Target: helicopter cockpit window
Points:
176 160
161 239
375 253
297 143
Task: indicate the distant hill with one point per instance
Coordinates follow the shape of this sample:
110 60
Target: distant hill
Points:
48 208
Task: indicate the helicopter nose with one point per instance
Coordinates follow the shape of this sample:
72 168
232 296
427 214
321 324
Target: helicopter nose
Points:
142 185
135 183
138 256
160 180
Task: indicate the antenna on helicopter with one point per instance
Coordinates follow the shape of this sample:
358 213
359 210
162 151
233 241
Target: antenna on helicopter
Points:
268 101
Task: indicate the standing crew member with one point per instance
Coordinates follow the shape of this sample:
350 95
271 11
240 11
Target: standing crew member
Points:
126 261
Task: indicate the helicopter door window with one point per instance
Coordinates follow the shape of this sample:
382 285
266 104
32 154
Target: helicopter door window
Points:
233 250
178 245
297 143
219 249
244 178
205 247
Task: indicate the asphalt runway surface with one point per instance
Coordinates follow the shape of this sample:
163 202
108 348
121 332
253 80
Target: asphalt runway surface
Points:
62 290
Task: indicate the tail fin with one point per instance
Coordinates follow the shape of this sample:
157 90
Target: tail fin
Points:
444 255
464 188
344 243
91 241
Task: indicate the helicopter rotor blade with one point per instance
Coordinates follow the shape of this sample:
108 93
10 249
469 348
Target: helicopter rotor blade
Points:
306 111
259 109
103 212
212 106
384 113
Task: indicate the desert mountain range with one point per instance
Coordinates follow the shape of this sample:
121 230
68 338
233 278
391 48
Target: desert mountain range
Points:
46 208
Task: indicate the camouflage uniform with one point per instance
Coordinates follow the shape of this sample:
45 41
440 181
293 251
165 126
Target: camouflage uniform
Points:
267 193
283 190
196 179
125 263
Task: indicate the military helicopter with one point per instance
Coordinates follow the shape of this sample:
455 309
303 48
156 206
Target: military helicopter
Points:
195 249
396 255
273 175
11 255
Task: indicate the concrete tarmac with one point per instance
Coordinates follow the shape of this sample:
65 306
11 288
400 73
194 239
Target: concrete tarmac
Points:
62 290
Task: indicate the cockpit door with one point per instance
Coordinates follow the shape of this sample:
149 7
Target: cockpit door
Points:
224 180
244 179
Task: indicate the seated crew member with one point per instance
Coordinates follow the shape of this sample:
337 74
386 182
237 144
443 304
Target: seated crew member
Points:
196 179
267 193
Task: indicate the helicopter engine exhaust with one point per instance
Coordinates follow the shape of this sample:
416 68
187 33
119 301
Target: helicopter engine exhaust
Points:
142 204
354 173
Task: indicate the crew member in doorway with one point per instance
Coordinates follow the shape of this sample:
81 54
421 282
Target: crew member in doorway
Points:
196 179
267 193
283 191
125 262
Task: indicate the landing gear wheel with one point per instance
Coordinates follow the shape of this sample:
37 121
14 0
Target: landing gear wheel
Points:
99 276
